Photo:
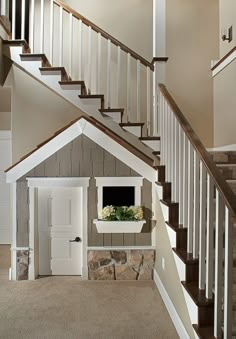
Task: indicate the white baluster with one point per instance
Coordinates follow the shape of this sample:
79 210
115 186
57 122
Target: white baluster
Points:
176 152
13 19
99 50
172 169
32 20
202 230
109 73
162 126
190 198
128 87
218 266
166 136
169 145
70 42
22 19
61 37
148 102
210 234
196 205
138 91
3 7
51 30
89 58
118 75
80 56
181 170
42 27
228 288
185 180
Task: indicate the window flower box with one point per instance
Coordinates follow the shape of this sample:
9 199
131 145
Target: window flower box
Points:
106 226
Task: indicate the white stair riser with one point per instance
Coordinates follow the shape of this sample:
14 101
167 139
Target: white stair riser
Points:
76 88
181 267
172 237
192 307
51 79
114 116
136 130
154 144
159 190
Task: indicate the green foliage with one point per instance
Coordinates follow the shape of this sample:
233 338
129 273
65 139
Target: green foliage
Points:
121 213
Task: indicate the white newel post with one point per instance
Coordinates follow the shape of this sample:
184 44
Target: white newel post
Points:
159 50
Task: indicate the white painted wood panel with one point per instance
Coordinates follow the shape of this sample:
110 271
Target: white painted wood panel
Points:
5 189
60 220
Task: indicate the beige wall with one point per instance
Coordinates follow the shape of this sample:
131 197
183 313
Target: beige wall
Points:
37 112
225 106
5 108
168 274
128 21
225 82
227 19
191 44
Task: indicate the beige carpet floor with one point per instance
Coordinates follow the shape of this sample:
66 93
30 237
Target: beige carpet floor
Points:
69 308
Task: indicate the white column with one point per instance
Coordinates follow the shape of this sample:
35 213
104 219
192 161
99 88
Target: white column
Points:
31 232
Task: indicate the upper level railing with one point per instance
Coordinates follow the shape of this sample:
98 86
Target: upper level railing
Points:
207 207
224 62
89 53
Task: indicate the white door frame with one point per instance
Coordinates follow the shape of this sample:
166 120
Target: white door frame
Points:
33 185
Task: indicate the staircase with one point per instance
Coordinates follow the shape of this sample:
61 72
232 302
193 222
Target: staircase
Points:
198 205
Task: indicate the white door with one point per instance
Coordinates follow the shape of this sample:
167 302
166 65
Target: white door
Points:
60 228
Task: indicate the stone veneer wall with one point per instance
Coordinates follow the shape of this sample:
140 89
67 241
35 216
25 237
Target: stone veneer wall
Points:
22 265
121 264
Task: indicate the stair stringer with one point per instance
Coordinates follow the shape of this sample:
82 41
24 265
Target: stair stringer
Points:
180 266
72 96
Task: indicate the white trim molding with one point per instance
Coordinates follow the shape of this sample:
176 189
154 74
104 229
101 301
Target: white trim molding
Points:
179 326
136 182
85 127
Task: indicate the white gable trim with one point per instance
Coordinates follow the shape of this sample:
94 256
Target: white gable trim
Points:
82 126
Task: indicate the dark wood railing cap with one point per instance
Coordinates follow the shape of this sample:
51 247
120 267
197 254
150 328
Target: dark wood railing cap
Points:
104 34
226 193
224 58
159 59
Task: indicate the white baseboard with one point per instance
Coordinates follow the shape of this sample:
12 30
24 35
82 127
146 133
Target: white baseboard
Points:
170 308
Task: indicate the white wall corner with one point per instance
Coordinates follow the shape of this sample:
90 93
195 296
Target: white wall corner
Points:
179 326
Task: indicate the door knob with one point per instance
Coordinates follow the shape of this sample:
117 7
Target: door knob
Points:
77 239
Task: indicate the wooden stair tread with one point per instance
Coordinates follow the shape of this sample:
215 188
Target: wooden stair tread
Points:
55 69
197 295
127 124
111 110
204 332
156 152
41 56
72 82
92 96
187 258
149 138
17 43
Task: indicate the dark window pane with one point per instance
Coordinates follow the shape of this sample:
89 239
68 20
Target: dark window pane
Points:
118 196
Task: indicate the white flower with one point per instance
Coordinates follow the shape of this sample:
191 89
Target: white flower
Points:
106 212
138 212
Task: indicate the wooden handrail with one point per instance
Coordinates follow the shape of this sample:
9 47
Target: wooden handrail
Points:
106 35
224 189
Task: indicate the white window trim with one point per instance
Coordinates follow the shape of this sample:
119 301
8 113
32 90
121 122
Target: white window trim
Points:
136 182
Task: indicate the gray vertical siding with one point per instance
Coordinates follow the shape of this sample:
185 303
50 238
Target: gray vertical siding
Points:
84 158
